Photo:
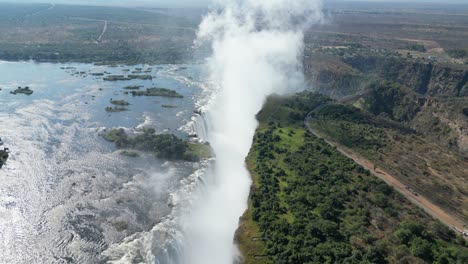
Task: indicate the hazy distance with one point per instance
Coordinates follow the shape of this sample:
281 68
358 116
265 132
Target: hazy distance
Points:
200 3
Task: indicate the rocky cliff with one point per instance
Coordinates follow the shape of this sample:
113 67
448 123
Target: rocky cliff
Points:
439 90
425 78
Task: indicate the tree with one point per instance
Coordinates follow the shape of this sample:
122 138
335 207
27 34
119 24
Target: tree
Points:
421 248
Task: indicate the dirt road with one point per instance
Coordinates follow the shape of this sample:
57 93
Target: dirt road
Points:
103 32
432 209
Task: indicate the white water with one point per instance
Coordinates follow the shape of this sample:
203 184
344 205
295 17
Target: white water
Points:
257 49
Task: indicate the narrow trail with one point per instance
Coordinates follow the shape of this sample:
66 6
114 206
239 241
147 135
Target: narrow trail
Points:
104 29
420 201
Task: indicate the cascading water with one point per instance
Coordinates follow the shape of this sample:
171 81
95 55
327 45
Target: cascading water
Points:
257 47
199 126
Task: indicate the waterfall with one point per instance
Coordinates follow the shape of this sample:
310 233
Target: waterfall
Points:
257 51
257 48
199 125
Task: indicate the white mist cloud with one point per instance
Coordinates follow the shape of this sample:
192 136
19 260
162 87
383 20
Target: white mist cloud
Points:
257 49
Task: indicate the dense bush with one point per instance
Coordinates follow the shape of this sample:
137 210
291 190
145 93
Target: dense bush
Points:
166 146
417 47
313 205
391 99
465 111
457 53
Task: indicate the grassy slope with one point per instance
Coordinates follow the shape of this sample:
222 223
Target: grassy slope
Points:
369 223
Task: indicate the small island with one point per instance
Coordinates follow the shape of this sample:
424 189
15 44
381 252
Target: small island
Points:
164 146
26 90
113 78
163 92
169 106
140 77
116 109
130 154
4 154
119 102
133 87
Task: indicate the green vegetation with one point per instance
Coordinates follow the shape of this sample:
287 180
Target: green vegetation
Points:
391 99
200 151
26 90
311 204
164 146
140 77
158 92
410 156
417 47
120 225
133 87
131 154
119 102
457 53
356 129
113 78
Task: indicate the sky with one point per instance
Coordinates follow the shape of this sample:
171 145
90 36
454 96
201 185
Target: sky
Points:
190 3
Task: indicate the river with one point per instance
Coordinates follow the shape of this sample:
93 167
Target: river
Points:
67 195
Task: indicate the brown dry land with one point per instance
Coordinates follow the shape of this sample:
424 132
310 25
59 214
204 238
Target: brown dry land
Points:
432 209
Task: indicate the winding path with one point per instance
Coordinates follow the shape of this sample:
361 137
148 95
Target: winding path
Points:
103 32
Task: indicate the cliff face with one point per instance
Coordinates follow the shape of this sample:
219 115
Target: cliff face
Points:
333 77
444 120
440 91
448 81
424 78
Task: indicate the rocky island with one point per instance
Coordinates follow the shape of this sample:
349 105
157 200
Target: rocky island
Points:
140 77
164 146
115 109
133 87
119 102
4 154
26 90
113 78
163 92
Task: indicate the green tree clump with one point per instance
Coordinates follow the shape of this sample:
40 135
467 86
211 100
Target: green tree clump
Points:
457 53
165 146
393 100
